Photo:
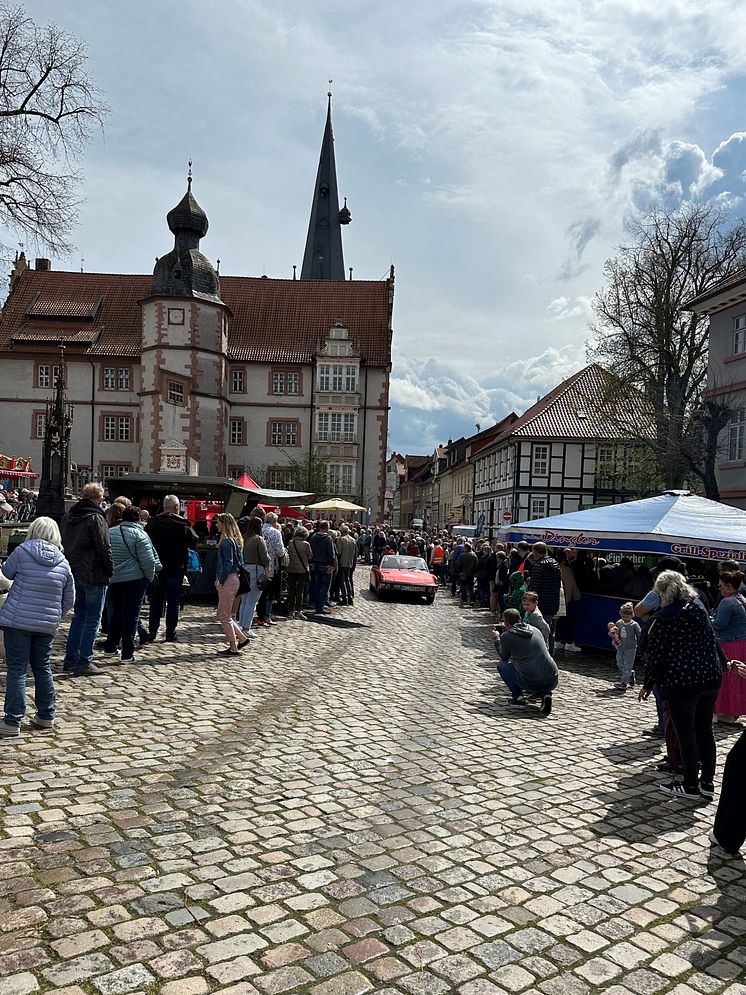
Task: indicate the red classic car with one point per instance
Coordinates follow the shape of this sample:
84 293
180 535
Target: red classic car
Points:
403 575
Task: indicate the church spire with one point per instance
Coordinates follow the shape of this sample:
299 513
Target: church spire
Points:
323 258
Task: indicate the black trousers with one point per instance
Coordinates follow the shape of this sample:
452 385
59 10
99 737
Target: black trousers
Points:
691 713
346 585
730 819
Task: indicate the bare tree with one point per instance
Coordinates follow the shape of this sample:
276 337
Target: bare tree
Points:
656 348
49 108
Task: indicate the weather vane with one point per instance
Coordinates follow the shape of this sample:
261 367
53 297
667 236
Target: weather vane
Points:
329 92
189 174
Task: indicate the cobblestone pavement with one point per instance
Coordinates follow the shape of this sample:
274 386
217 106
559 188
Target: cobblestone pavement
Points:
353 806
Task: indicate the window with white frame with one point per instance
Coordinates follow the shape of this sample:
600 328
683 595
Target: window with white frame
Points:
325 376
40 424
322 426
109 470
236 431
175 392
238 383
540 463
110 428
739 334
538 508
279 479
283 433
349 428
737 436
337 374
124 429
110 378
293 383
123 379
278 383
339 478
350 379
234 472
47 375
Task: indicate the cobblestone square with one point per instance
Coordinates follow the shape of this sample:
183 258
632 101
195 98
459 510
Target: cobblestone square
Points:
353 806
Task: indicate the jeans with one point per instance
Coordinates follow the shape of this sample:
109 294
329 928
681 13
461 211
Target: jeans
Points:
165 590
21 649
467 590
691 713
506 669
250 599
296 589
730 819
126 601
89 603
483 587
321 579
269 595
625 661
346 585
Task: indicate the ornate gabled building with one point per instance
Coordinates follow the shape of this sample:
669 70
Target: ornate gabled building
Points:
187 372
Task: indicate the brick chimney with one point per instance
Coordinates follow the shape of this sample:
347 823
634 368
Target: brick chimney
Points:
42 264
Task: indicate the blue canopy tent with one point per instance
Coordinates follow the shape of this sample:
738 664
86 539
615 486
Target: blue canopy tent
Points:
675 522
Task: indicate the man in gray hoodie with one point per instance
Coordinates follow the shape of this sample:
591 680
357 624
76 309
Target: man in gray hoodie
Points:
526 664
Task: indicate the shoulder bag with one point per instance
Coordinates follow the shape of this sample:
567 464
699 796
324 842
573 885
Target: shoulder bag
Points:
244 580
302 561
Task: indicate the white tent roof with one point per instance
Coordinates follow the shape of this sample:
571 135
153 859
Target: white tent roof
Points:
676 522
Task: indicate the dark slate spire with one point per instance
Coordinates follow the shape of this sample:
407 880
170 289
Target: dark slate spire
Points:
184 271
323 258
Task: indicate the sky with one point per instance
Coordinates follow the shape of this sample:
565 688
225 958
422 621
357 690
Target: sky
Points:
492 151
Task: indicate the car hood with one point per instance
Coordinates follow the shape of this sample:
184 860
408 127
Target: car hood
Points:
407 576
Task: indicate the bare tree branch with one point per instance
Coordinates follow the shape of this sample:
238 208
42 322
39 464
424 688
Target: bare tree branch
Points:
49 108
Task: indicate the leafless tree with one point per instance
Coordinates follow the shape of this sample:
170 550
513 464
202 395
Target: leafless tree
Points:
656 348
49 108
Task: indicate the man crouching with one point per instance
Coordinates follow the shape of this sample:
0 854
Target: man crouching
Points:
526 664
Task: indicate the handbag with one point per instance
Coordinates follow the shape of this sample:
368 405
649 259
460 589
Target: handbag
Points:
262 581
194 565
302 561
244 580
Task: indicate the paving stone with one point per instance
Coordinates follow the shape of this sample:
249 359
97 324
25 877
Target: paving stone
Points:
127 979
284 979
19 984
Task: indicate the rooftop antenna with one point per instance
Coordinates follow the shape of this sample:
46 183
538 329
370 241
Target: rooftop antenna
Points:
82 261
218 270
294 269
189 175
350 272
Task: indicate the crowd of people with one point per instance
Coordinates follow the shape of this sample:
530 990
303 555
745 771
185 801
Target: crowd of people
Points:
17 505
688 643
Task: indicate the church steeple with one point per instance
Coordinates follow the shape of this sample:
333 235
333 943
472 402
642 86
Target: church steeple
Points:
323 258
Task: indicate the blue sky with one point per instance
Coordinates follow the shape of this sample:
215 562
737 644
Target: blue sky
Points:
491 150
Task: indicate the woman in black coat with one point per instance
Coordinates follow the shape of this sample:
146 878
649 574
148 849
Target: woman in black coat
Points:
684 661
729 831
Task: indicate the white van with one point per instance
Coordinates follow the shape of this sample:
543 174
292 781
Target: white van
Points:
465 531
417 523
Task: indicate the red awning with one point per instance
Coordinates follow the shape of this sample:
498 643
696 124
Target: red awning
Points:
17 474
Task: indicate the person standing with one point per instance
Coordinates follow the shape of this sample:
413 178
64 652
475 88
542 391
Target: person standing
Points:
467 568
299 571
172 537
729 623
546 582
628 634
729 830
256 562
85 539
227 581
683 659
277 558
324 565
135 565
346 549
565 628
43 591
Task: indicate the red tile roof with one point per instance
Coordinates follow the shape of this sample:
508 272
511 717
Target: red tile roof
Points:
273 321
733 280
575 409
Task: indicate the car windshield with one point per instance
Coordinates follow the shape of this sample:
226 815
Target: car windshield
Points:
403 563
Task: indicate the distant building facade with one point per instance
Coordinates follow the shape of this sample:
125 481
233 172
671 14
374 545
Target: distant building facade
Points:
187 371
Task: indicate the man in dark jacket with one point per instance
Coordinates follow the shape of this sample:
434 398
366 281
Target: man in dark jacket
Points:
546 581
525 662
324 565
467 568
85 537
172 537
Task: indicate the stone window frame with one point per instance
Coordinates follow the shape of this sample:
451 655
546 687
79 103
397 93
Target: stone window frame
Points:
244 375
120 417
283 483
285 423
241 423
51 375
125 465
118 369
178 378
235 470
277 370
35 415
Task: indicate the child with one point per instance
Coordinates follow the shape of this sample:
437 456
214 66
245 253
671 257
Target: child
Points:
532 615
625 636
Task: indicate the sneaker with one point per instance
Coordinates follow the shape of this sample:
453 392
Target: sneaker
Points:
243 644
560 646
9 731
326 611
632 679
269 621
129 659
520 700
572 648
91 671
620 686
147 637
707 789
227 652
666 767
173 638
677 789
40 723
713 839
546 704
109 653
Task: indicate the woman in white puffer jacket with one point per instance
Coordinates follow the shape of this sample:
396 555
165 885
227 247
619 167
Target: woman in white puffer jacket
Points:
43 590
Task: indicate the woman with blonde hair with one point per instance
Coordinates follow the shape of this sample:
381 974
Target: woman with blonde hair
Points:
227 581
43 590
684 660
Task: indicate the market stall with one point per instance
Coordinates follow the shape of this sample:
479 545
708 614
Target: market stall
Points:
204 496
675 523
